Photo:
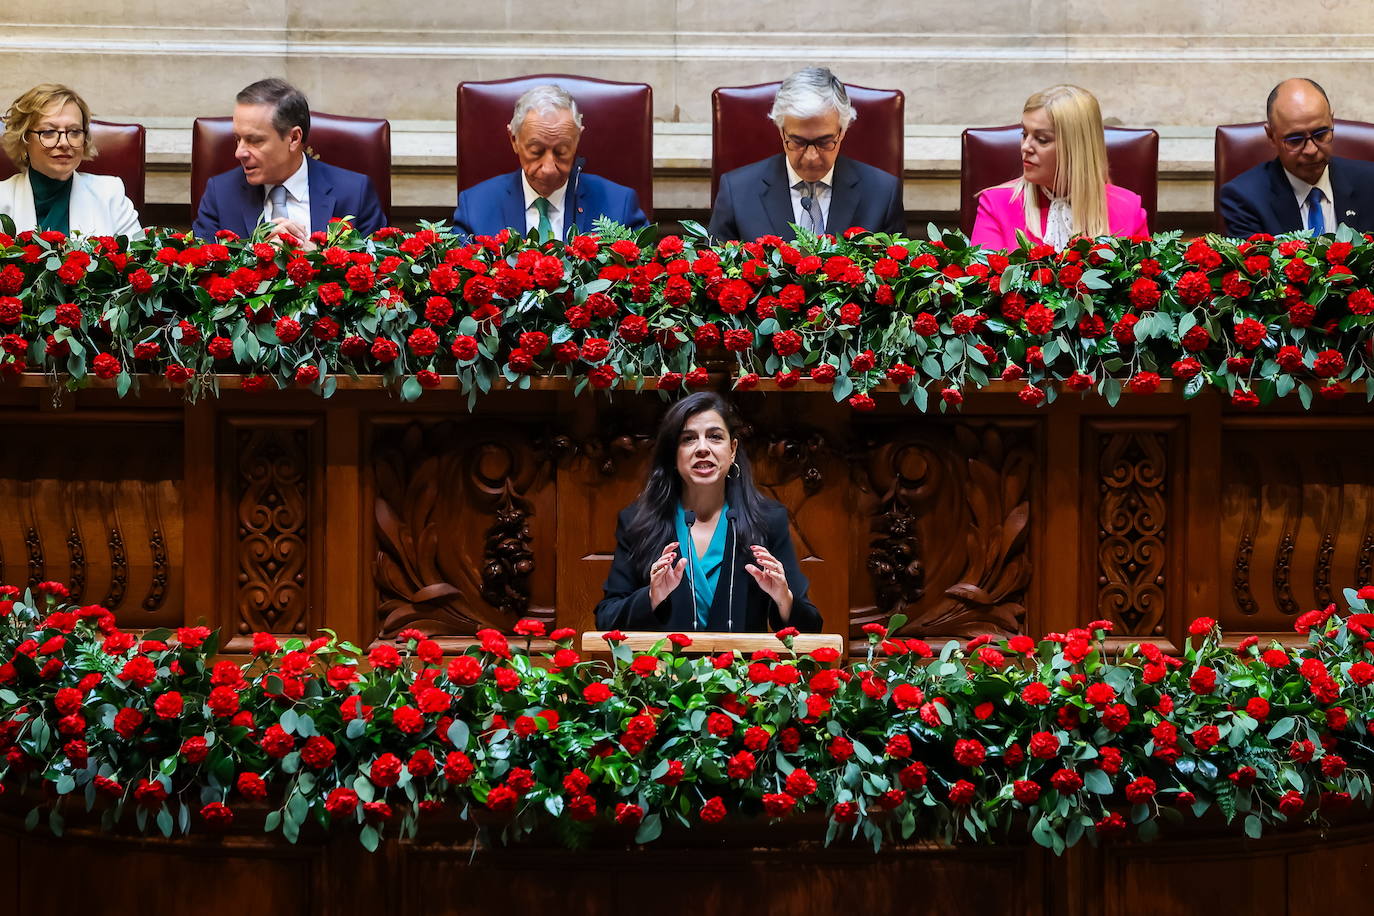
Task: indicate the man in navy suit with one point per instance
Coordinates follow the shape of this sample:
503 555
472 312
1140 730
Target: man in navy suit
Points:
277 183
1304 187
549 193
808 184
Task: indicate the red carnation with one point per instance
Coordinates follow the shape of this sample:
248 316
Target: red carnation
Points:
251 786
386 770
341 803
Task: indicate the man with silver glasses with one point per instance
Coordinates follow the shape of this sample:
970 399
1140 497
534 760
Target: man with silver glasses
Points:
1304 187
809 184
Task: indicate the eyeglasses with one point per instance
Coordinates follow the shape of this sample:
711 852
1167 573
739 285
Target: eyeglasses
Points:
1319 136
50 138
799 144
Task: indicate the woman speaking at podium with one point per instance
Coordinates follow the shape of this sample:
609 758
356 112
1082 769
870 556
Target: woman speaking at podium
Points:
702 548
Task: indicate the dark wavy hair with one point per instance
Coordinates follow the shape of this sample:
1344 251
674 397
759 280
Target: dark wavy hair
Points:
651 523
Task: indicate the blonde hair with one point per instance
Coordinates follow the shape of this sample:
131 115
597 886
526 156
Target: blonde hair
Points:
27 111
1080 161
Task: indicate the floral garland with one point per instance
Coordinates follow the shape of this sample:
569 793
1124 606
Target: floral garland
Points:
1061 739
1258 319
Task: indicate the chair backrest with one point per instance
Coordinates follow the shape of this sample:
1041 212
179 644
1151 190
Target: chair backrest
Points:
741 132
1241 147
357 144
122 153
617 140
992 155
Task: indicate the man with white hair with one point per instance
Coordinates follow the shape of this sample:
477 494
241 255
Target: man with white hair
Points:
549 193
808 184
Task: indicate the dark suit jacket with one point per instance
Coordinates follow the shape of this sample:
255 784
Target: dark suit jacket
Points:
230 202
626 601
499 203
755 200
1261 199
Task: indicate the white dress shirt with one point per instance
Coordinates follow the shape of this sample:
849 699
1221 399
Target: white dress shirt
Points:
1301 189
297 198
557 209
824 189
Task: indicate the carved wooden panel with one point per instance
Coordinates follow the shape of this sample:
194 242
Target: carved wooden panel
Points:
98 507
464 522
943 527
803 465
1297 520
600 471
273 518
1131 499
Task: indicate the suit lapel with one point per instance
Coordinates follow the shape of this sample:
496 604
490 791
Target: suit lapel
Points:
23 213
513 204
776 199
844 197
321 196
1286 212
247 206
1343 196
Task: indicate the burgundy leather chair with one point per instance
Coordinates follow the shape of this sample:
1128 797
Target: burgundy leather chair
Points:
741 131
617 142
357 144
992 156
122 153
1241 147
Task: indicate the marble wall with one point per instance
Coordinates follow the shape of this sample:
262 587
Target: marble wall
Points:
1174 62
1181 66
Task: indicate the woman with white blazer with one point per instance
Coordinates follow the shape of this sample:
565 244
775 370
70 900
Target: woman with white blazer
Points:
48 136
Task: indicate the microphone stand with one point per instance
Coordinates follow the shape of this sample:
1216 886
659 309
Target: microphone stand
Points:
690 518
731 518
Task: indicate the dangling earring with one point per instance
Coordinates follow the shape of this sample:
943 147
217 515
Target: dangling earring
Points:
734 472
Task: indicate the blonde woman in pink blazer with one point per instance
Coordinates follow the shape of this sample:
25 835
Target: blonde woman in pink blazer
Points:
1063 190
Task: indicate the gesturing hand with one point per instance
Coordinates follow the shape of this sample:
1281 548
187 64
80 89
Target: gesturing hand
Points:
283 227
665 574
771 577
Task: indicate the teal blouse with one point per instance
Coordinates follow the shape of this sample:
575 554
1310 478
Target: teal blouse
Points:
51 201
705 570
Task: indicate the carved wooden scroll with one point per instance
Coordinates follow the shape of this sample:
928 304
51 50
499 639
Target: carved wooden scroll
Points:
948 509
1297 518
98 509
272 510
1133 483
455 510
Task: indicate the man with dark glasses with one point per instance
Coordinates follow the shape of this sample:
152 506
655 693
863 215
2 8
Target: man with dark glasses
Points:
1304 186
809 184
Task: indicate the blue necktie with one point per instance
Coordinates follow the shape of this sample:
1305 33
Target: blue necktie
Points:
1315 221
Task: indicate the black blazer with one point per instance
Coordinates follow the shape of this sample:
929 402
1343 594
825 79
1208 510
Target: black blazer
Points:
1261 199
755 200
626 602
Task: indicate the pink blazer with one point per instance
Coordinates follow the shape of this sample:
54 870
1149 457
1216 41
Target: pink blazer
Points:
999 217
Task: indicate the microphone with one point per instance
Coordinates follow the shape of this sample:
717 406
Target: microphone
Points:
731 518
570 200
690 518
